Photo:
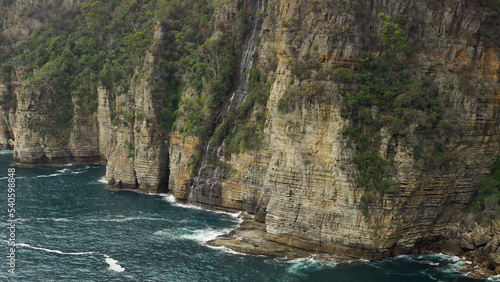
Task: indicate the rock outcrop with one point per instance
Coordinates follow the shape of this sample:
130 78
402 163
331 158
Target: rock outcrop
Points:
133 144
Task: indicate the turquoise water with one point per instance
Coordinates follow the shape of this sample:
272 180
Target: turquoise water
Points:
70 228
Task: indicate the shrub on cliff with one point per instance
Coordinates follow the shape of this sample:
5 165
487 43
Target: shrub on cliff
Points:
485 203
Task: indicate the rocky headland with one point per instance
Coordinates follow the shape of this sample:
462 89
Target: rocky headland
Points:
346 128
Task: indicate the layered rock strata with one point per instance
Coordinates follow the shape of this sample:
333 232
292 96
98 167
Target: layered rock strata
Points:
301 182
134 145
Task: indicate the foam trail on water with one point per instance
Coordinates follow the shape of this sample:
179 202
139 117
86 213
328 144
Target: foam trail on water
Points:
229 251
204 235
171 199
5 152
235 215
122 219
119 219
61 219
64 171
53 251
50 175
169 233
16 177
297 266
173 202
113 264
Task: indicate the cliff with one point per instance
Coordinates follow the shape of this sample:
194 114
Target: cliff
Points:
134 145
302 179
349 127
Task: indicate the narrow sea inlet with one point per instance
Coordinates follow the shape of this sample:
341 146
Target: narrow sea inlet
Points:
70 228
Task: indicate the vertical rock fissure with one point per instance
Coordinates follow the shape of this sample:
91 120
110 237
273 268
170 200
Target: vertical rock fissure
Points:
247 59
206 186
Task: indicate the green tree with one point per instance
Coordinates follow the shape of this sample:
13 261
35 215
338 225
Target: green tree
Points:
391 38
96 16
138 43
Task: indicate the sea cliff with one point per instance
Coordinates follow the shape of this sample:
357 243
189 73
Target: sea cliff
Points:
348 127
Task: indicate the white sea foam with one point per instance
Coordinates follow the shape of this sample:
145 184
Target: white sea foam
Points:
494 278
113 264
102 180
204 235
300 264
162 232
65 171
235 215
169 233
61 219
70 171
173 202
50 175
454 263
122 219
45 219
5 152
118 219
201 235
53 251
229 251
16 177
171 199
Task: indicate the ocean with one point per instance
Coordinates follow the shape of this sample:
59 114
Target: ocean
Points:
68 227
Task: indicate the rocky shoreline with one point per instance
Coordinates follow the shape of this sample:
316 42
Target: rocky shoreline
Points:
251 238
476 243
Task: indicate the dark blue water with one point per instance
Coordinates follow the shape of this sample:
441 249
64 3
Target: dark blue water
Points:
70 228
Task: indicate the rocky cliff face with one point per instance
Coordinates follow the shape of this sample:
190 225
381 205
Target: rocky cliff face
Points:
299 175
6 119
26 125
133 144
38 140
123 130
301 181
